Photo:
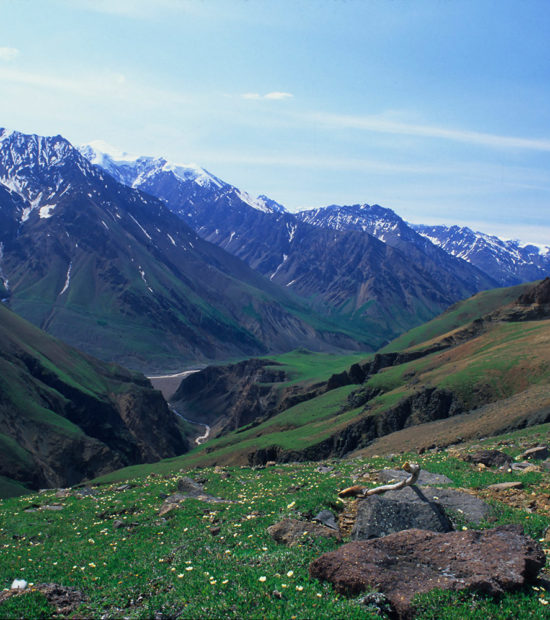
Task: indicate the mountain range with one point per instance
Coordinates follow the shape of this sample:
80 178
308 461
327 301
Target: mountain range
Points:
114 272
381 288
159 265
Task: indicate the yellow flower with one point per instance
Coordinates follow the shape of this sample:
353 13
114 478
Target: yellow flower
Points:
262 578
290 573
299 588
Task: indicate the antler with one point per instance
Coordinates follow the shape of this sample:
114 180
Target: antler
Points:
412 468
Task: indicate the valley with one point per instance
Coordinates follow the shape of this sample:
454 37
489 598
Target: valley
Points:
285 355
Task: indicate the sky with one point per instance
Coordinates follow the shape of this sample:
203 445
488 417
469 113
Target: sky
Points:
437 109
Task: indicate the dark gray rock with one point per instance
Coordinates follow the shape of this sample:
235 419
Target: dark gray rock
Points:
489 458
412 562
380 515
539 452
425 477
326 517
459 503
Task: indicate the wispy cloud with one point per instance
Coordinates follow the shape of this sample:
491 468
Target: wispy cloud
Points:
8 53
275 95
109 85
136 9
382 125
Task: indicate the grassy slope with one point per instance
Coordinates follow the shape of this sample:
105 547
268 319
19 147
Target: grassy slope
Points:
506 361
177 567
456 316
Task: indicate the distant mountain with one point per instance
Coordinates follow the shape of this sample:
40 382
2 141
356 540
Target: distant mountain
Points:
171 182
387 226
65 416
507 262
113 271
378 288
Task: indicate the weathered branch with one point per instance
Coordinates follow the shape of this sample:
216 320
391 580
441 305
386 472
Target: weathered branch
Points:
355 491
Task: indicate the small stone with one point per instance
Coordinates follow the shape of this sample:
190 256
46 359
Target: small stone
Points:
215 530
277 594
324 469
52 507
123 487
271 463
326 517
117 524
18 584
425 477
62 493
291 531
504 486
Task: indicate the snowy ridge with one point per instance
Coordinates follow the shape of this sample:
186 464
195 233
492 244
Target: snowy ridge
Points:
508 260
147 173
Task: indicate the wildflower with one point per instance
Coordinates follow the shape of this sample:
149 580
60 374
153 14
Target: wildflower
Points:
299 588
290 573
188 568
262 578
180 576
543 601
291 505
225 581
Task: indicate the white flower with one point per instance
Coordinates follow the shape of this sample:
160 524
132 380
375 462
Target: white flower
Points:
262 578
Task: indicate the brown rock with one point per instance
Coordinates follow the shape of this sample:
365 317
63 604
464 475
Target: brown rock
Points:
504 486
416 561
291 531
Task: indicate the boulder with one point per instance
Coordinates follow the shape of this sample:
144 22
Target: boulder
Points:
396 475
539 452
412 562
489 458
291 531
455 502
380 515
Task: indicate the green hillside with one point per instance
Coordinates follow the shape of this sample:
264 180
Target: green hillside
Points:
217 560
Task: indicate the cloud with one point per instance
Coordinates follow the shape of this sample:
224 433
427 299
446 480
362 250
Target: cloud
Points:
104 86
135 9
381 125
8 53
275 95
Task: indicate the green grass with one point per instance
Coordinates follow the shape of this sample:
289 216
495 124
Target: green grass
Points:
174 565
305 366
458 315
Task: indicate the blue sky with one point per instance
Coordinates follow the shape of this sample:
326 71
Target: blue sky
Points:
437 109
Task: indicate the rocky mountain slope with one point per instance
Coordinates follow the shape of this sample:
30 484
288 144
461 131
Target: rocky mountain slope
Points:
65 417
378 287
480 368
114 272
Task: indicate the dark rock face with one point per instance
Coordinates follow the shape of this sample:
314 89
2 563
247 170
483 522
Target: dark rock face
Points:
238 394
291 531
415 561
489 458
408 508
538 452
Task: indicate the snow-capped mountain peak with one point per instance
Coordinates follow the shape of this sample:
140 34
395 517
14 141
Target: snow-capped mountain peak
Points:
134 170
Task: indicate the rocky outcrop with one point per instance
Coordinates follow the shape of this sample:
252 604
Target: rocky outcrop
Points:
65 417
229 397
412 562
